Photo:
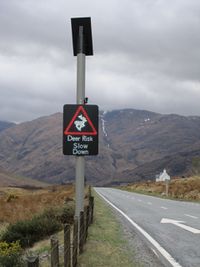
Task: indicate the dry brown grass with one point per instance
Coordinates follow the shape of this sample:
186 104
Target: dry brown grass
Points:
19 204
179 188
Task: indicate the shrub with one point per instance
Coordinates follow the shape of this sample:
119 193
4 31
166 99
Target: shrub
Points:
11 197
65 214
11 254
30 231
39 227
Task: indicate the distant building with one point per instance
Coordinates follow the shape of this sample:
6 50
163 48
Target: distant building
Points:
163 176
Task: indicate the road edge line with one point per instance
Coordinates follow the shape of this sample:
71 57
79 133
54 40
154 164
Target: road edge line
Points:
162 251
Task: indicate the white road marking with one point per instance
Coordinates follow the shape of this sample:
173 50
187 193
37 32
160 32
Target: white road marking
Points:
180 224
162 251
191 216
149 203
164 208
154 251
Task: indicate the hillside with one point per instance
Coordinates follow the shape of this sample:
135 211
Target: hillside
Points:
8 179
134 145
5 124
20 204
142 143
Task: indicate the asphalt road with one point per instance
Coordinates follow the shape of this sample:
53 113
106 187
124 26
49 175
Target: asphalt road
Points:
171 228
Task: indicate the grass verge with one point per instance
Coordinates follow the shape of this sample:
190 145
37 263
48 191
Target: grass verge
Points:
187 189
105 245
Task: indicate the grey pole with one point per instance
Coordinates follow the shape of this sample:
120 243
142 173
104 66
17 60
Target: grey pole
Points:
80 161
167 187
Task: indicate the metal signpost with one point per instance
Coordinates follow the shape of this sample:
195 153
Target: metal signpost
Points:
80 123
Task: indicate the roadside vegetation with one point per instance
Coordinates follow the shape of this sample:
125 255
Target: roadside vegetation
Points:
27 232
19 204
179 188
28 216
11 254
105 245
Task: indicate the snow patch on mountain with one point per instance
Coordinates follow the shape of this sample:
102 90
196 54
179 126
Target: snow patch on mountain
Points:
103 124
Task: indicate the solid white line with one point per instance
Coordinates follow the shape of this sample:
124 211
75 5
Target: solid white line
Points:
191 216
162 251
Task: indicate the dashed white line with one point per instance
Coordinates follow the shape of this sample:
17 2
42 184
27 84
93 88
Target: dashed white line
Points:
154 251
191 216
161 250
164 208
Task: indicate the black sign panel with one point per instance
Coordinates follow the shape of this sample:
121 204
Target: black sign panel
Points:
80 130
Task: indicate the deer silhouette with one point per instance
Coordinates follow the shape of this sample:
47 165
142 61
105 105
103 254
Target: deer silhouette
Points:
80 124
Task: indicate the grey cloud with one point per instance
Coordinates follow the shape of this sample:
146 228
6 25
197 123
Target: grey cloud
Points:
146 55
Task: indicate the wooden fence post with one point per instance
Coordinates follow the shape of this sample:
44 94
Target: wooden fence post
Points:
91 203
89 191
87 221
67 246
75 242
32 261
54 252
85 225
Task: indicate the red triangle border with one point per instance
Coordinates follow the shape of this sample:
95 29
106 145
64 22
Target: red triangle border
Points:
80 109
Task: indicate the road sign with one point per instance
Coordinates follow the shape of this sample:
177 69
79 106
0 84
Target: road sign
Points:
80 130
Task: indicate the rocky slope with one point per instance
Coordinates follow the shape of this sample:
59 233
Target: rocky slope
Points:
133 145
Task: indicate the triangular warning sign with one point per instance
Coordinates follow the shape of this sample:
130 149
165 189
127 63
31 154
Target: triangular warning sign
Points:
80 124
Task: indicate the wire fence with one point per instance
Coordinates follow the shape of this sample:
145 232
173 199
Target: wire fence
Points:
65 253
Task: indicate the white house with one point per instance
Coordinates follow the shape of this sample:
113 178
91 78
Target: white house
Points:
162 177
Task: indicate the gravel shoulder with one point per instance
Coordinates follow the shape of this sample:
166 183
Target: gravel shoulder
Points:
138 247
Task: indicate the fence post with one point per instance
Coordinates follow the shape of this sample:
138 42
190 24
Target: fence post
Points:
54 252
87 220
75 242
32 261
89 191
85 225
67 246
91 200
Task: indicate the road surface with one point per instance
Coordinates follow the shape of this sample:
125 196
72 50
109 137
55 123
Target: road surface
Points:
171 228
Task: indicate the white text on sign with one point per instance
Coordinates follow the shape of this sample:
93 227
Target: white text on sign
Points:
80 149
79 138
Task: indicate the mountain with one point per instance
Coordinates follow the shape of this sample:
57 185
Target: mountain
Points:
5 124
145 143
8 179
133 145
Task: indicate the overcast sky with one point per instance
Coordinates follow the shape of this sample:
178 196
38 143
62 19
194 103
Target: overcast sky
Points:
146 56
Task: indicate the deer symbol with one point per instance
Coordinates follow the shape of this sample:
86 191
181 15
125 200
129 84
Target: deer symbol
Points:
80 124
